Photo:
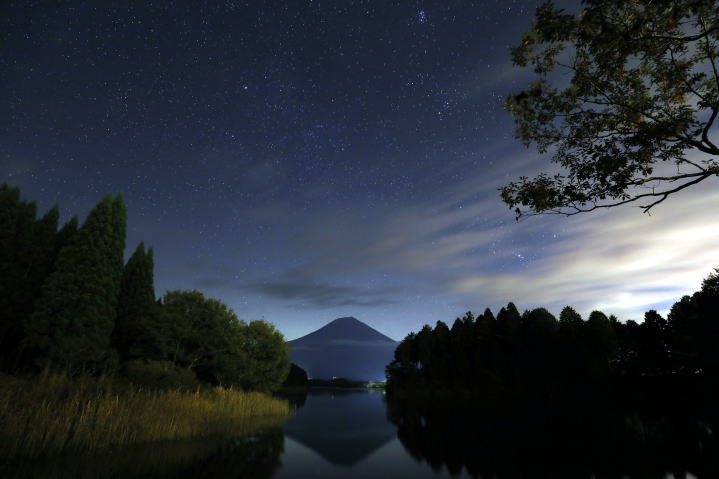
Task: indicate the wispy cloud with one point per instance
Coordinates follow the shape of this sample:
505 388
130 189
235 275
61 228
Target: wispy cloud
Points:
620 261
617 260
322 295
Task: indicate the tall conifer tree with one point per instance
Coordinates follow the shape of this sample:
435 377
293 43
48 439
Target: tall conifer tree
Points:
136 331
9 210
34 257
9 207
75 314
17 225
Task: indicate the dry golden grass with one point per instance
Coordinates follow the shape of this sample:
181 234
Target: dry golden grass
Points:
51 413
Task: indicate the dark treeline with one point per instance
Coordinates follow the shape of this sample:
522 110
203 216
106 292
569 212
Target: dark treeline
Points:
535 352
68 301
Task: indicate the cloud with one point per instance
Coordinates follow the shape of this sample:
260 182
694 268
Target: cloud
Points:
211 282
620 261
467 245
322 295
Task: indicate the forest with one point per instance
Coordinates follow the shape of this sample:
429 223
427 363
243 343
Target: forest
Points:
91 359
536 353
70 302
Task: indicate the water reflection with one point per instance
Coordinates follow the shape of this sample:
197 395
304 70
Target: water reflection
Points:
359 434
255 455
343 427
575 437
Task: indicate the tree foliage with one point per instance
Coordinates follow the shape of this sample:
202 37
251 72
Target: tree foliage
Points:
206 336
75 314
29 249
267 364
68 302
625 101
533 353
137 329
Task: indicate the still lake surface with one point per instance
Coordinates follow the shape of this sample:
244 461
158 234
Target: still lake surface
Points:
342 434
361 434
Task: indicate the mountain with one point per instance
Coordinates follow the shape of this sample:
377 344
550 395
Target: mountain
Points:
344 348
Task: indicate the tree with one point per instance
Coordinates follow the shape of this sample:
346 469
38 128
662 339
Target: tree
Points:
267 357
402 371
74 317
653 352
569 316
633 120
137 332
693 330
35 256
707 301
29 248
296 378
17 222
204 335
602 342
539 349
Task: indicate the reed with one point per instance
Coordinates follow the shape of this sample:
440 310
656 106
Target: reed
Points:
52 413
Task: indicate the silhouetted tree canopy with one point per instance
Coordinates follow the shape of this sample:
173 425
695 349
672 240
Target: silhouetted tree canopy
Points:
28 251
204 335
137 332
68 302
625 100
534 354
297 377
75 315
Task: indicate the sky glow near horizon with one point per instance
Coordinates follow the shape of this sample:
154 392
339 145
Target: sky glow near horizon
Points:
323 160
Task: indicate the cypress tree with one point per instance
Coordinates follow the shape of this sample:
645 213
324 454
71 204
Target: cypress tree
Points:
136 331
63 237
41 252
33 261
75 314
17 225
9 208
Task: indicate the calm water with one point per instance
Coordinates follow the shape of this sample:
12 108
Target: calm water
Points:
347 434
362 435
359 434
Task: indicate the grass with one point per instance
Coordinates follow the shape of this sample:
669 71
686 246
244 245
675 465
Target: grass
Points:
51 414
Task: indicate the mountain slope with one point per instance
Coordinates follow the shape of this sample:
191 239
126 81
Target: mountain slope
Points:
344 348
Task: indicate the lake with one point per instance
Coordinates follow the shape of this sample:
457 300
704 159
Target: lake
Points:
347 434
360 434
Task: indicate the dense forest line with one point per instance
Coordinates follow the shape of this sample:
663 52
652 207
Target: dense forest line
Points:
69 302
534 352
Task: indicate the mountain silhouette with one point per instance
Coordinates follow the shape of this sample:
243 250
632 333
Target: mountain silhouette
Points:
345 348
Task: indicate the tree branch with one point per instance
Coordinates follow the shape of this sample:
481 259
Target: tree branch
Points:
659 196
679 38
684 79
663 195
705 132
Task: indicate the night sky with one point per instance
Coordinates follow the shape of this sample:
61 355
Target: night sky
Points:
307 160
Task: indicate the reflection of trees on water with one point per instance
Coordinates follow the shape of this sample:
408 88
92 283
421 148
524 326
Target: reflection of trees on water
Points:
255 456
252 456
573 437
